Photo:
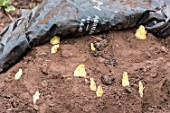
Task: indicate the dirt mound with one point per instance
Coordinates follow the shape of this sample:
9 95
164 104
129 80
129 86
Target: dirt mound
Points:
52 75
147 61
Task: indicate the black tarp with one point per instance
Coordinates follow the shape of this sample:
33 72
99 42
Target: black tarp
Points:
77 18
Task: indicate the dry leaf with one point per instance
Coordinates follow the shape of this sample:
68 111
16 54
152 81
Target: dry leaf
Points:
141 88
141 33
55 40
92 47
36 96
99 91
54 49
125 80
80 71
18 74
92 84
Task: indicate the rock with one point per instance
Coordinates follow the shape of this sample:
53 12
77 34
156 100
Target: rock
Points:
101 45
107 80
163 49
111 62
15 104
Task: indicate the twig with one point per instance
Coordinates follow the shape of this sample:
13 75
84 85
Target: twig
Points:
10 16
7 14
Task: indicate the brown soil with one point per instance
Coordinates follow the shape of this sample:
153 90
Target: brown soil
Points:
60 92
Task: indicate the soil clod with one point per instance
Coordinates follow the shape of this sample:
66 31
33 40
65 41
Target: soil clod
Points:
107 80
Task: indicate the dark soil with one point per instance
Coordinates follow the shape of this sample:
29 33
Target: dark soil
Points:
60 92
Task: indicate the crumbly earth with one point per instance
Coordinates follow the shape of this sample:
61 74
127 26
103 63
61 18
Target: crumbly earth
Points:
147 61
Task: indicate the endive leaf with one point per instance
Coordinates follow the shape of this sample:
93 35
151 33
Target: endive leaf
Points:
99 91
80 71
125 80
92 84
55 40
141 33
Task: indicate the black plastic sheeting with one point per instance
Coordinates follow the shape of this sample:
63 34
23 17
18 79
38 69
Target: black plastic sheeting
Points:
78 18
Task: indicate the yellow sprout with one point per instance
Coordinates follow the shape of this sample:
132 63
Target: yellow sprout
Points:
125 80
92 47
92 84
80 71
18 74
55 40
141 88
54 49
141 33
99 91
